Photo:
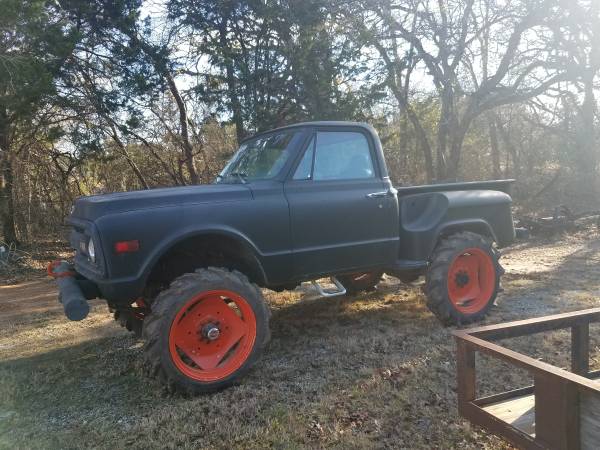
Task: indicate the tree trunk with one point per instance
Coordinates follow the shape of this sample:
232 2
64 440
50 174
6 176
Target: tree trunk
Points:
188 150
444 130
403 155
423 143
236 107
457 138
7 207
588 158
419 130
510 146
494 146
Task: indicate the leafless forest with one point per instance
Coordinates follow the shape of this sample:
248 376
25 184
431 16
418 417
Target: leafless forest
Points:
100 96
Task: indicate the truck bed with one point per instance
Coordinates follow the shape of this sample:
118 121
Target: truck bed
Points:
492 185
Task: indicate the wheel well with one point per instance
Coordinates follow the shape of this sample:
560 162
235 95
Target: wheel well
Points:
204 251
480 228
475 227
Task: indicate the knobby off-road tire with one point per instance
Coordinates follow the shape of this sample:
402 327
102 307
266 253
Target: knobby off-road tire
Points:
128 321
361 281
182 348
463 278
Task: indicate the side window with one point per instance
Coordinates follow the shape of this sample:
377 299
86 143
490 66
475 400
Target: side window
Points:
342 155
304 170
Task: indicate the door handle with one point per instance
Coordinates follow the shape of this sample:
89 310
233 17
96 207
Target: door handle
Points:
378 194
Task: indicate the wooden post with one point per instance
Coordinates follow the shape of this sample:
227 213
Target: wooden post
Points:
556 412
580 349
466 377
589 419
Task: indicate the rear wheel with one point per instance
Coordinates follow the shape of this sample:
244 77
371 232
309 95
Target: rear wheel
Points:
360 281
205 331
463 279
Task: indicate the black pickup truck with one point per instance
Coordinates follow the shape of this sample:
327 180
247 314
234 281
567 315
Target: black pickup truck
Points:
184 266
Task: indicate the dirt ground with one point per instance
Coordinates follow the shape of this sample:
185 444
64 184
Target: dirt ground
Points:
371 371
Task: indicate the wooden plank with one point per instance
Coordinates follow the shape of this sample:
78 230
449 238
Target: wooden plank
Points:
509 395
590 421
532 326
494 425
533 366
518 412
580 349
556 412
465 372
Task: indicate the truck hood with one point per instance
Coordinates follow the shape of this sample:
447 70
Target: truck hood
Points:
95 206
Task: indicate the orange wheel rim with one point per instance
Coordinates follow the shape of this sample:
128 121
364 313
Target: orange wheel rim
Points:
212 335
471 281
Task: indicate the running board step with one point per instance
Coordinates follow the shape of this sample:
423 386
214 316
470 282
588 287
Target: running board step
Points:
341 290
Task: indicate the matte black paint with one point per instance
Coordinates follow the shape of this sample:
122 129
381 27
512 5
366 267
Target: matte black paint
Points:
297 230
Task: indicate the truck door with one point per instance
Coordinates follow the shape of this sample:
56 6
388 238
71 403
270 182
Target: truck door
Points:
343 215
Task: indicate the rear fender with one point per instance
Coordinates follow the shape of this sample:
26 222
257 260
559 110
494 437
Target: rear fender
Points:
478 226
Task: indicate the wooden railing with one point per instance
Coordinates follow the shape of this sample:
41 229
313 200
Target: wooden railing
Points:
566 411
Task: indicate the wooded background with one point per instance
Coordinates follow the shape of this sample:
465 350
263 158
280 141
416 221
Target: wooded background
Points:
100 96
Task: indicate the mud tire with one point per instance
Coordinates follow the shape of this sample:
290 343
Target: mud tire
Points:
158 360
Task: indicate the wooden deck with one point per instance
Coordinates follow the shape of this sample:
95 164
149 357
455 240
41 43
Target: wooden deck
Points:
518 412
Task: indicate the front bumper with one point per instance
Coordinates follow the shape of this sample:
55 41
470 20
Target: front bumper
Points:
74 290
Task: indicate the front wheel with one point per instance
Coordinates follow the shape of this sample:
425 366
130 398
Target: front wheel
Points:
463 279
205 331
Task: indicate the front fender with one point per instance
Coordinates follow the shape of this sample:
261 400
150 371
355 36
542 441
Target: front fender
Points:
128 287
195 232
157 230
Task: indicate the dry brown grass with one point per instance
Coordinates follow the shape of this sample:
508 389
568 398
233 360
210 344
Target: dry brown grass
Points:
370 371
32 260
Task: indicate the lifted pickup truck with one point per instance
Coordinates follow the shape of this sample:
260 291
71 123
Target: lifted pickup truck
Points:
184 266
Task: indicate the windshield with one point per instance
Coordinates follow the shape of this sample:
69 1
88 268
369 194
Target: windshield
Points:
258 159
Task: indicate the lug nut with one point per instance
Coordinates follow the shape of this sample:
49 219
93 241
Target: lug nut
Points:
210 331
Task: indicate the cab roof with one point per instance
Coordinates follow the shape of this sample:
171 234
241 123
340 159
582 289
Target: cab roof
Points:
320 123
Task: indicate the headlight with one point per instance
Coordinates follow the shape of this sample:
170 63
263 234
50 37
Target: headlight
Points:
91 251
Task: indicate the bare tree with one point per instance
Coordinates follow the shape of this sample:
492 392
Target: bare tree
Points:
446 38
576 39
399 61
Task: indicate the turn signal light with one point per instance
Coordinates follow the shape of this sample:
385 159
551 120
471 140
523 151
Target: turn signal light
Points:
127 246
